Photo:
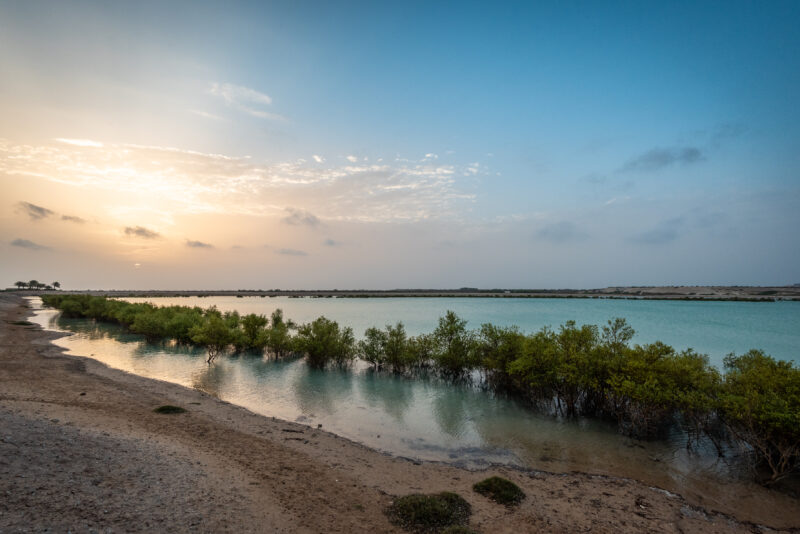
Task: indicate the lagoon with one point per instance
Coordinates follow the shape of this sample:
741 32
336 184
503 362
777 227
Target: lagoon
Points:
429 419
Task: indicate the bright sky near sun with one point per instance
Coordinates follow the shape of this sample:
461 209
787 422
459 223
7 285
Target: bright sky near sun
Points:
192 145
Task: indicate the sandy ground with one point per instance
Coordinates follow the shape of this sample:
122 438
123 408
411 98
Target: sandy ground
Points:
81 450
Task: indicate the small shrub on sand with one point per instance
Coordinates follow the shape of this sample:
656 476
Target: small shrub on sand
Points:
429 513
500 490
459 530
167 408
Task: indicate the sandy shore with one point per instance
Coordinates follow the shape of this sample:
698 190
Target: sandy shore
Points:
81 449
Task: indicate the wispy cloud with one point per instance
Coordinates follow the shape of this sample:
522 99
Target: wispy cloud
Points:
192 182
331 243
318 159
35 212
245 99
198 244
80 142
660 158
301 218
291 252
141 231
206 115
30 245
73 219
351 159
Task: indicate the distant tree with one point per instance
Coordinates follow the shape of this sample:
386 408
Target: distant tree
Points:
322 341
57 285
48 287
373 347
279 338
20 285
213 334
33 284
454 346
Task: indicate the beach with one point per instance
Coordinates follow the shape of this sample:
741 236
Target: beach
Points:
81 449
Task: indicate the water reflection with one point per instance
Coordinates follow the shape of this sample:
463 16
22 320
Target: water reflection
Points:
321 391
210 379
450 412
394 395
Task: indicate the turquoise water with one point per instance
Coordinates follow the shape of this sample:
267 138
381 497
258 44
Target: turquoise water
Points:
430 419
713 328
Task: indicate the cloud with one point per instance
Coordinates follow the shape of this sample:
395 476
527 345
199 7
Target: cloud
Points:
80 142
24 243
660 158
472 169
140 231
291 252
318 159
35 212
198 244
331 243
244 98
663 233
233 94
197 183
561 232
73 218
301 218
351 159
206 115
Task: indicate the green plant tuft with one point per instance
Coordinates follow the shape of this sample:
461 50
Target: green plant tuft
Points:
429 513
500 490
459 529
168 408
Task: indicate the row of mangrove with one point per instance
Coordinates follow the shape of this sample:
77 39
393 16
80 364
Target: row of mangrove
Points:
572 371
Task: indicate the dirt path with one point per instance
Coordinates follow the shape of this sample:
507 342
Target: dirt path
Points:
81 449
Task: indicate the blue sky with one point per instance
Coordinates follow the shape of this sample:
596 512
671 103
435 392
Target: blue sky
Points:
511 145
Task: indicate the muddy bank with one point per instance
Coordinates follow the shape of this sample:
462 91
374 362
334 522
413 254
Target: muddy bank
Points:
81 449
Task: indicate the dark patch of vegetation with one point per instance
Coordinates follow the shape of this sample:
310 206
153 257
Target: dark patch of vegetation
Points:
168 408
570 372
429 513
21 323
35 284
500 490
459 529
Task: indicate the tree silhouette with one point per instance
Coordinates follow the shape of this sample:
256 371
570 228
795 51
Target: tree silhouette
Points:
33 284
20 285
57 285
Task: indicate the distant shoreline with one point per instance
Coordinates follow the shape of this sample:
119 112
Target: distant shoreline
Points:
686 293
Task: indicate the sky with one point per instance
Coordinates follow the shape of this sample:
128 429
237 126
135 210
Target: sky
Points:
378 145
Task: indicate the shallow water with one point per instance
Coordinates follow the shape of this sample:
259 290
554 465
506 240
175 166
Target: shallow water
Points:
426 418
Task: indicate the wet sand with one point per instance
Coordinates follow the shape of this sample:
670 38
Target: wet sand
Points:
81 449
